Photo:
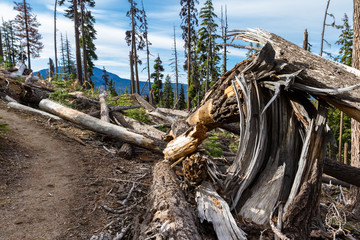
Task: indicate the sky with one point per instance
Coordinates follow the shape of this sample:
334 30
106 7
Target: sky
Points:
286 18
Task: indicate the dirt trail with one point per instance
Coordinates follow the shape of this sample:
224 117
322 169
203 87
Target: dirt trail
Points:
46 192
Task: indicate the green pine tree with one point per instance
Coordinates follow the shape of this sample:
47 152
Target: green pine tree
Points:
168 94
105 78
346 42
188 15
10 44
112 89
182 103
157 76
207 49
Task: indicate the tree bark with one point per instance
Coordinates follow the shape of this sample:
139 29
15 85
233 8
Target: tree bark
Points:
77 44
55 43
101 126
83 35
188 45
169 214
355 125
306 40
132 79
1 47
27 34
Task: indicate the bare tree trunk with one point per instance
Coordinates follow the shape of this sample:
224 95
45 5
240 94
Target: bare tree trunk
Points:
132 81
176 72
77 44
323 29
27 35
340 135
1 47
355 125
306 40
83 35
55 44
148 68
188 59
224 28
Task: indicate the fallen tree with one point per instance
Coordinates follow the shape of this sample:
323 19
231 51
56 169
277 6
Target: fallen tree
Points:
101 126
169 216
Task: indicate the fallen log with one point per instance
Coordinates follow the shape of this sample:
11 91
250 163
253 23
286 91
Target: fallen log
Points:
343 172
144 103
137 126
334 181
31 110
104 112
115 109
169 215
101 126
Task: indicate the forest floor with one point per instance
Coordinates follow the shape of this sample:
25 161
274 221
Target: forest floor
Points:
56 181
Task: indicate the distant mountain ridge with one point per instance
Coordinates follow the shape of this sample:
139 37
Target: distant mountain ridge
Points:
121 84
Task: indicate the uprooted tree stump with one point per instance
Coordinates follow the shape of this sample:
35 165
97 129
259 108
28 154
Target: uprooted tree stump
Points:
275 178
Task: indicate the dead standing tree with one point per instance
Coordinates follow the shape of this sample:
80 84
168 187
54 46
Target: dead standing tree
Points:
278 167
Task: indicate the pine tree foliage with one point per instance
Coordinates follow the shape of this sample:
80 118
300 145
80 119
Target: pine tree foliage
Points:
182 102
112 89
345 42
157 75
188 15
168 94
147 43
67 59
11 48
89 33
105 78
26 28
207 48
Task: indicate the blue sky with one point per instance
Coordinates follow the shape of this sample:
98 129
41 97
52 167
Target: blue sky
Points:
287 18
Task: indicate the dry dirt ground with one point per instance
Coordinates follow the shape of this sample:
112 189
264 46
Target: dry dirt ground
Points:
55 180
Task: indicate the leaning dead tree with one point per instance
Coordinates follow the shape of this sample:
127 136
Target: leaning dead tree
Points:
275 179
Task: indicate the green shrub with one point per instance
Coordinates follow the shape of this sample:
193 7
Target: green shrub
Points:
212 146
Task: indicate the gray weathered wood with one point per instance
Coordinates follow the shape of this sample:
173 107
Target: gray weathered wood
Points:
316 72
104 112
21 107
144 103
214 209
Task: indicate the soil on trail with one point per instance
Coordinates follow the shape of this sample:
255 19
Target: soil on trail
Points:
53 187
